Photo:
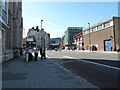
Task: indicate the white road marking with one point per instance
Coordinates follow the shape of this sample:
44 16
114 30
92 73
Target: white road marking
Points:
94 63
101 65
68 57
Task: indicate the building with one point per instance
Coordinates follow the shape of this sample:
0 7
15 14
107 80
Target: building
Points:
47 41
55 43
24 42
11 29
78 41
69 33
38 38
32 38
103 35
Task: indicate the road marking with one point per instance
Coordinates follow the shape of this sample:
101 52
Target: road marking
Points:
102 65
69 57
94 63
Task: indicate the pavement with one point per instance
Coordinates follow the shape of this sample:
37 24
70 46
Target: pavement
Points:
97 51
40 74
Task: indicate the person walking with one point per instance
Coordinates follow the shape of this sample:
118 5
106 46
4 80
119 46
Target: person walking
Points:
30 56
36 54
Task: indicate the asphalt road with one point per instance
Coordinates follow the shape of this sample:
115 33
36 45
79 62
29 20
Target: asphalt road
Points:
102 73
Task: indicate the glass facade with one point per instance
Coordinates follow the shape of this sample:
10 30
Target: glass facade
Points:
69 33
56 41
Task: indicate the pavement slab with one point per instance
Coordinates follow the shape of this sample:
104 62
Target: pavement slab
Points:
39 74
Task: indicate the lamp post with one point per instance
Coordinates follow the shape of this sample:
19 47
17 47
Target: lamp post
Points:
41 24
89 38
41 33
44 38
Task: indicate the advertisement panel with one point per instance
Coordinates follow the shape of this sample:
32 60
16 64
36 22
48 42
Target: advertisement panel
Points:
30 39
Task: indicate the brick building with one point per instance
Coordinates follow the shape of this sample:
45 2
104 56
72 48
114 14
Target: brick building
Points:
78 41
104 35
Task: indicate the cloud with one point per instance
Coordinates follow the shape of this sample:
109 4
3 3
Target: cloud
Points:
48 26
46 22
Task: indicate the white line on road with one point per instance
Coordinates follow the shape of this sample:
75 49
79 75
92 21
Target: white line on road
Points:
68 57
94 63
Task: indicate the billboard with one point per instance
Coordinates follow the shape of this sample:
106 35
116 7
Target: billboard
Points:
30 39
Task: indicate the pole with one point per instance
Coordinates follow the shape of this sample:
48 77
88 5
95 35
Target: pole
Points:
44 39
89 38
41 24
41 33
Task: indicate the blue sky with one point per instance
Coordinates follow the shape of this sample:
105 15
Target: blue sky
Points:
58 16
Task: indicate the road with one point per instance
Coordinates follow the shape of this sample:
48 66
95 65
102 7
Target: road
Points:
97 70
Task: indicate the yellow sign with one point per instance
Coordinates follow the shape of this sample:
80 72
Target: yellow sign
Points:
42 41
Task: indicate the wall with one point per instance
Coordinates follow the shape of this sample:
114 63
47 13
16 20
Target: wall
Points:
98 37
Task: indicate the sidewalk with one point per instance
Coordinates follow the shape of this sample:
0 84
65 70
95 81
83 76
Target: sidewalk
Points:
115 52
39 74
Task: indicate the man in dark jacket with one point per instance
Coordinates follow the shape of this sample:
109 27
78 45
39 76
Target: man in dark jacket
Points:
42 53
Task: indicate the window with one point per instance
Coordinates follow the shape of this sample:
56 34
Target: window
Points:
4 11
91 30
94 29
107 24
4 5
99 27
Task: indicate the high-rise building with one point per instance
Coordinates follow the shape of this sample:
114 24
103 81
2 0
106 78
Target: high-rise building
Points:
69 33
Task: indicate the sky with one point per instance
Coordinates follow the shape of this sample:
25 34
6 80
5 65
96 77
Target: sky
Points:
58 16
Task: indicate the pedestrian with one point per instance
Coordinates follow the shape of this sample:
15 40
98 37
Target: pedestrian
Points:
41 53
44 55
26 52
30 56
36 54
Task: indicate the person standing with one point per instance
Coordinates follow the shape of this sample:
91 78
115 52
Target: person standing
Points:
27 52
36 54
44 55
41 53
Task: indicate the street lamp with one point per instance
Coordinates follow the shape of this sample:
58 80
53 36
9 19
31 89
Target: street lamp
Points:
41 33
41 24
44 38
89 38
